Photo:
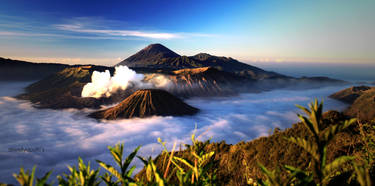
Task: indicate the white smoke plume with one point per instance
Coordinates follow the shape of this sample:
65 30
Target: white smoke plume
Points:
158 80
102 84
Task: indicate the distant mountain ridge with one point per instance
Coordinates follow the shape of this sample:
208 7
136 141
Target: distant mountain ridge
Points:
157 56
16 70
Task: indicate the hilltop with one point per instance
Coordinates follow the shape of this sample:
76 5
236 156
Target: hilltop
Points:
16 70
361 100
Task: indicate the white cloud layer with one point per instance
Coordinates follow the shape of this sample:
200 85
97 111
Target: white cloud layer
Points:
65 135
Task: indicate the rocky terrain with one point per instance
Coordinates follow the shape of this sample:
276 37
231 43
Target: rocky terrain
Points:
361 100
202 82
145 103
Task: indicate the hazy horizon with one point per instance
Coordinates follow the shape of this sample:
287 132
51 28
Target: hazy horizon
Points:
348 72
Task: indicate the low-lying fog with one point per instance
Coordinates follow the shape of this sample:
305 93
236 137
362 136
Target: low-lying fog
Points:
57 137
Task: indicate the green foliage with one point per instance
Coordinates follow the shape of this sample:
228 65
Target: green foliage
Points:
299 177
273 177
83 176
107 178
27 178
153 176
363 174
124 176
362 167
317 148
200 169
197 170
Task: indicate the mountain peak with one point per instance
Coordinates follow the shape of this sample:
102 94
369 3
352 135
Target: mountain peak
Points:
158 49
202 56
150 54
156 46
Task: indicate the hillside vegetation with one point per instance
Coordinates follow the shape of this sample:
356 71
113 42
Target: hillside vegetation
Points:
362 100
323 149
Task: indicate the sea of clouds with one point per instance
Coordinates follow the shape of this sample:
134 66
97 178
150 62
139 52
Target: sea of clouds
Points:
53 139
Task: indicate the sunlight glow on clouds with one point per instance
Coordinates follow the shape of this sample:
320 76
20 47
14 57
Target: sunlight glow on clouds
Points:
125 33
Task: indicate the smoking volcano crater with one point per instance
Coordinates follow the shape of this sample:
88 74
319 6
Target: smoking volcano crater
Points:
145 103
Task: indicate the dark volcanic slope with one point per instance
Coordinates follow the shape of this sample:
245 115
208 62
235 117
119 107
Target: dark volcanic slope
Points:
157 56
147 102
362 100
15 70
63 89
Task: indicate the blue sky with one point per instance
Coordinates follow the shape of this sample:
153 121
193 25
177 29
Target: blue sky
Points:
106 32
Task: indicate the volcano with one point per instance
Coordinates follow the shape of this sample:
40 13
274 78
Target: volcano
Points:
159 57
145 103
148 56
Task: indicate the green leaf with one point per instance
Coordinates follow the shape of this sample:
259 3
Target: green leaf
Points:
311 148
332 130
303 177
205 157
110 169
184 162
362 174
43 181
272 179
130 171
335 164
116 153
309 125
159 180
304 109
129 159
32 176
